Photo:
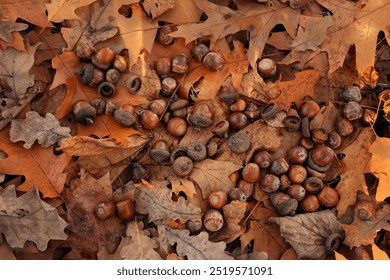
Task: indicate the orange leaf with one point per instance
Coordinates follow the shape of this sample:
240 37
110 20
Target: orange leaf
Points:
39 165
296 89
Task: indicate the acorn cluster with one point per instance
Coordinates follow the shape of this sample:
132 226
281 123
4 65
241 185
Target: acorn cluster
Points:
124 210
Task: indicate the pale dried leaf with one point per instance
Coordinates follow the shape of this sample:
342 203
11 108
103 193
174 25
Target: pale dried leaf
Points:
307 233
6 28
196 247
21 214
185 11
59 10
139 246
47 130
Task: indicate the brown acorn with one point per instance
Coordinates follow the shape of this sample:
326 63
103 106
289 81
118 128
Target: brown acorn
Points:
84 112
246 187
158 107
353 110
182 166
149 119
297 154
168 86
334 140
113 75
266 67
237 120
213 61
160 152
319 135
217 199
309 109
296 191
239 143
163 66
297 174
213 220
262 159
119 63
84 49
162 35
328 197
125 209
197 151
238 106
279 166
177 127
321 156
180 64
270 183
251 172
237 194
310 204
199 51
365 210
105 210
343 126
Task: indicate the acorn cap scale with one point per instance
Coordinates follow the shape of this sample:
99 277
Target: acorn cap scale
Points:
239 143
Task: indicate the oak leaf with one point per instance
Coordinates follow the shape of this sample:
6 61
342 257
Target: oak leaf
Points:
310 234
14 70
196 247
59 10
235 63
6 29
46 130
158 204
29 218
379 165
213 175
185 11
258 18
265 236
36 164
138 245
352 177
33 11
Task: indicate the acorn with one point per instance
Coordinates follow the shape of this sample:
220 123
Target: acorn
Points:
182 166
269 111
310 204
217 199
284 182
213 220
181 113
176 153
334 140
103 58
203 108
353 111
168 86
279 166
180 64
321 156
197 151
105 210
251 172
177 127
263 159
296 191
297 174
195 227
310 109
119 63
125 209
124 118
212 148
237 194
319 135
252 111
138 172
162 35
292 120
113 75
270 183
84 49
284 204
351 93
313 185
221 128
158 107
297 154
328 197
307 143
163 66
99 104
237 120
213 61
238 106
305 127
266 67
199 51
84 112
228 95
149 119
178 104
246 187
239 143
106 89
111 107
369 117
159 152
343 126
365 210
91 75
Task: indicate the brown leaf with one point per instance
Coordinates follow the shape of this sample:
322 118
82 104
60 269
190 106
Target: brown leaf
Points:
6 29
194 135
22 214
363 232
310 234
352 177
259 20
265 236
156 8
379 165
235 64
59 10
6 252
213 175
36 164
196 247
294 90
185 11
33 11
158 204
182 185
46 130
138 245
14 70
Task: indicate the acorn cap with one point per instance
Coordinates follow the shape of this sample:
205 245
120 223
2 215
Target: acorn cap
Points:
159 155
124 118
239 143
99 104
200 121
182 166
197 151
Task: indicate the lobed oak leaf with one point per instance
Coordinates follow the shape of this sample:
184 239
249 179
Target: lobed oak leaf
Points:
14 70
258 18
60 10
184 11
235 64
47 130
156 8
7 28
379 165
213 175
158 204
294 90
265 236
195 247
138 245
6 252
312 235
22 214
36 164
182 185
352 177
378 254
33 11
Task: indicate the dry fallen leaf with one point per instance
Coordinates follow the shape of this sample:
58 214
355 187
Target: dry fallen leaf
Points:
19 215
6 29
46 130
196 247
59 10
312 235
